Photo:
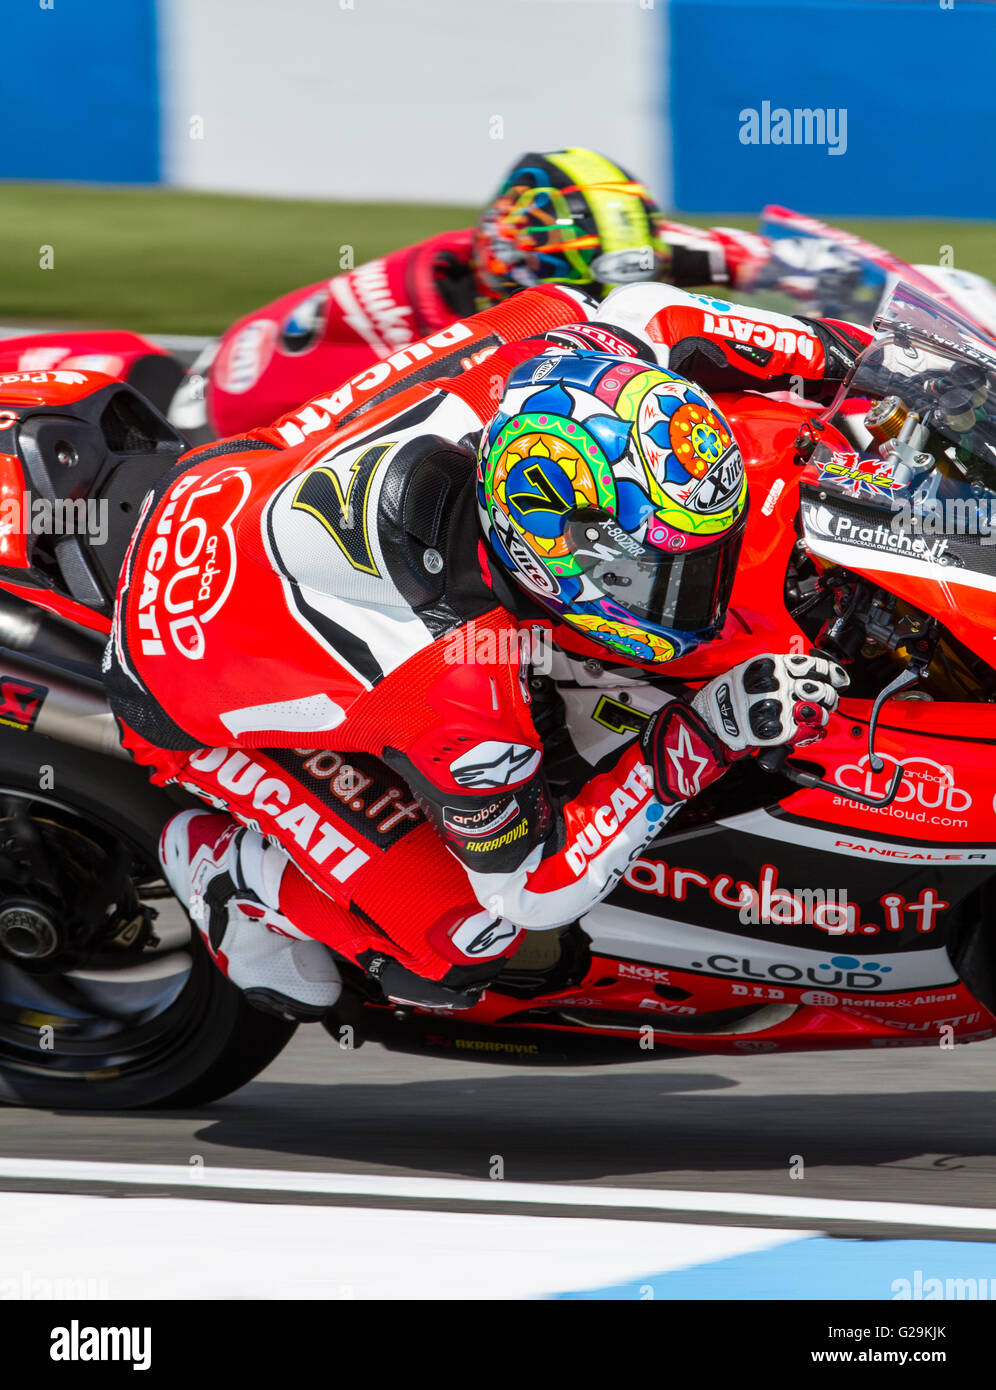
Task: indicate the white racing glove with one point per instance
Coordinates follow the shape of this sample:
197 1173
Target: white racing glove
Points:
771 700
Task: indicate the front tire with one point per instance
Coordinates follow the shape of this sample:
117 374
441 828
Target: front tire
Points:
150 1025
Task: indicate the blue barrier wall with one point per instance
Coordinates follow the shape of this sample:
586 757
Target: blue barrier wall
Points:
79 88
917 81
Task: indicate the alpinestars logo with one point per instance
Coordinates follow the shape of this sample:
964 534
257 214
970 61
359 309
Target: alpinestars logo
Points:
484 942
688 765
495 764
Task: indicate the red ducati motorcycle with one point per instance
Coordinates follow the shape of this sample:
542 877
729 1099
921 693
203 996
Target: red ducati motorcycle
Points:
839 897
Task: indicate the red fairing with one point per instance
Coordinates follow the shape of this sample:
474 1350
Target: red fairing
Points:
110 352
61 386
362 316
225 662
57 603
946 795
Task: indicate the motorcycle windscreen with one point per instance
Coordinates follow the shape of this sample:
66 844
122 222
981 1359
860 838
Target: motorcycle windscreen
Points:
917 481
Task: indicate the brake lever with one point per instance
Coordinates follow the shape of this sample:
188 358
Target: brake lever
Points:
909 676
775 760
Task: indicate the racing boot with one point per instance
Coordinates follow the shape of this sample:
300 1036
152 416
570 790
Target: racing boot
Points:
228 879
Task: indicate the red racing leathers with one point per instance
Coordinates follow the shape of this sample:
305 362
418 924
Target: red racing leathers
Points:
309 632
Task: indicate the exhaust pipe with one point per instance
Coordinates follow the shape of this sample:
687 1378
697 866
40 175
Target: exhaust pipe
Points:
42 649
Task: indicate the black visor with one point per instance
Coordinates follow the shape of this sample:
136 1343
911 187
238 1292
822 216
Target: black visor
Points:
684 590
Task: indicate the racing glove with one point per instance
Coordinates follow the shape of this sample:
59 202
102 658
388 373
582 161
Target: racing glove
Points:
771 700
842 344
765 702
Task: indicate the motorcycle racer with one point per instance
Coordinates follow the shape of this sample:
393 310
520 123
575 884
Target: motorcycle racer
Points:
350 599
569 217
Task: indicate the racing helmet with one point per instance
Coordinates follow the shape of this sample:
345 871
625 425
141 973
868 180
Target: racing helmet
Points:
613 492
571 217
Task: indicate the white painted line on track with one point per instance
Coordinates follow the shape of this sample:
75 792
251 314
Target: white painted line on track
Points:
172 342
61 1245
806 1209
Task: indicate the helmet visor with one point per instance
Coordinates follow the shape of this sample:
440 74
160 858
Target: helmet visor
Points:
687 590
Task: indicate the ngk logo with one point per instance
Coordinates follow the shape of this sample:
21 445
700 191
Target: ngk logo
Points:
925 783
642 972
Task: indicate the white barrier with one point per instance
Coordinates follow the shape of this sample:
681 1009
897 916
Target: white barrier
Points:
423 100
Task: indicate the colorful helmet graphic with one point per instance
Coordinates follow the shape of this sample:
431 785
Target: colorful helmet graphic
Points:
571 217
614 493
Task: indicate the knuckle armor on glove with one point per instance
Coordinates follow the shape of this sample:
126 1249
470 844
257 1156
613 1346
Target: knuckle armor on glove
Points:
771 700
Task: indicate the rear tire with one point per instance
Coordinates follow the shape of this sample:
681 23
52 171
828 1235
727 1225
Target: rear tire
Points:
203 1044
